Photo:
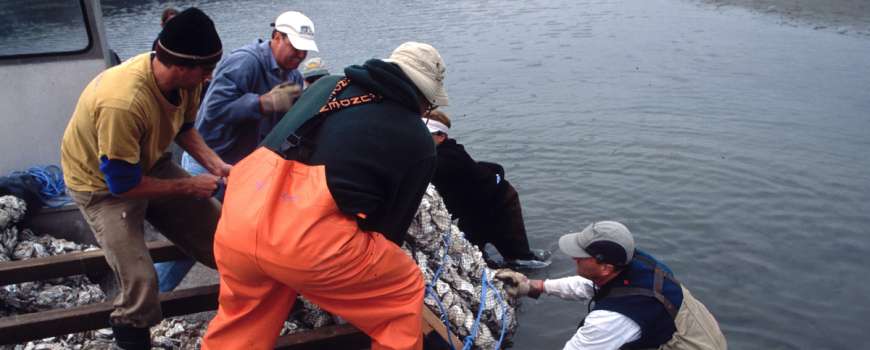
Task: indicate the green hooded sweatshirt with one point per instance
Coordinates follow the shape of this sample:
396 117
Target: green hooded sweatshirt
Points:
379 157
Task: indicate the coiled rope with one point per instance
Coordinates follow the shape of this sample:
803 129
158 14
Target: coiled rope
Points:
50 183
468 342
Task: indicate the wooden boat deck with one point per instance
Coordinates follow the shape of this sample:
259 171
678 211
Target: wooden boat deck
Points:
39 325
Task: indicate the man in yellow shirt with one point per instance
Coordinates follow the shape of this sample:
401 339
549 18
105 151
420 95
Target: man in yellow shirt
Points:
117 171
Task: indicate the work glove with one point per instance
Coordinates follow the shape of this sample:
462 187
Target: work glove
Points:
518 284
280 98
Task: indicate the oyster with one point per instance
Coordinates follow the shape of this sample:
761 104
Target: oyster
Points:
458 286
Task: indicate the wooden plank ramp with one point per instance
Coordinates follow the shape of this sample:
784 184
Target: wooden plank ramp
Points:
72 264
340 336
39 325
431 323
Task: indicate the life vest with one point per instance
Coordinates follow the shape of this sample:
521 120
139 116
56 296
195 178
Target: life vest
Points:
668 315
646 293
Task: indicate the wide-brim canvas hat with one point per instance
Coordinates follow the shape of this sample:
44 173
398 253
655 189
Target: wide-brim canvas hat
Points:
299 29
423 64
608 241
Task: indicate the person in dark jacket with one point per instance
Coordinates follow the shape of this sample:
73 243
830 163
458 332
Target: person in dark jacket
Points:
322 208
481 199
638 304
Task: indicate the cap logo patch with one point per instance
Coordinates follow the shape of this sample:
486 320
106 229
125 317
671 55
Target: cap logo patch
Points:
306 30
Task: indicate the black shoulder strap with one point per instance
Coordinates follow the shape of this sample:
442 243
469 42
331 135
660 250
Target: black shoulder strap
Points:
296 146
656 292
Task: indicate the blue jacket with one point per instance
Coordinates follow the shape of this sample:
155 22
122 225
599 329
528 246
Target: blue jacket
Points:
230 118
657 326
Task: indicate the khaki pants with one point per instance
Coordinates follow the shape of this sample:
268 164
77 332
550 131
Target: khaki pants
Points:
696 328
118 225
281 235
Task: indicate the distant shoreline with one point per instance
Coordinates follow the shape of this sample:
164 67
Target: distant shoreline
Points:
842 16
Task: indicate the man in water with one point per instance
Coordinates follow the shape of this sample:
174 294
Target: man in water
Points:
638 302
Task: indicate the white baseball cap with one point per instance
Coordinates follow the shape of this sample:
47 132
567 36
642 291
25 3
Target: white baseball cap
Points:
298 28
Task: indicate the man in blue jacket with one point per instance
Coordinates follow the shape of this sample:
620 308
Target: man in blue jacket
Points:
251 91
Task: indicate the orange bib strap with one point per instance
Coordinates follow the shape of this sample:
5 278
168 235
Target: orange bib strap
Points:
296 146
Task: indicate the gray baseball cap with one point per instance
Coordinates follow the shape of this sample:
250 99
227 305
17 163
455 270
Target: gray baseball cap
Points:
313 66
608 241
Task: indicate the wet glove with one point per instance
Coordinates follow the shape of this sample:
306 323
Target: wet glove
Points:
518 284
280 98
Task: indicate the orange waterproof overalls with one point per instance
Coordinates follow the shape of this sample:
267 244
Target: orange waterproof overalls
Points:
281 234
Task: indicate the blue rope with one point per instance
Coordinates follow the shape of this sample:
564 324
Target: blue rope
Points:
50 183
469 341
429 292
503 311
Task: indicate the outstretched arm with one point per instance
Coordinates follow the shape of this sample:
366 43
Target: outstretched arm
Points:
191 141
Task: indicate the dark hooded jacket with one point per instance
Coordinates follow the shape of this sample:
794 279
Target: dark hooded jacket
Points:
468 187
379 157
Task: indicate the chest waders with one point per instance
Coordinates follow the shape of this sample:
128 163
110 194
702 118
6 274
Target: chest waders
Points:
282 235
696 327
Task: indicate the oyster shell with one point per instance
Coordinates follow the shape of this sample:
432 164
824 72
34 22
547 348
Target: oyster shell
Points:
458 286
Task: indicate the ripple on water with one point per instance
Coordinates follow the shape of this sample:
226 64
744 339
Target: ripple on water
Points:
733 147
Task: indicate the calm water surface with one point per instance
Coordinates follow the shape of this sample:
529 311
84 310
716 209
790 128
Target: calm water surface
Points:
735 148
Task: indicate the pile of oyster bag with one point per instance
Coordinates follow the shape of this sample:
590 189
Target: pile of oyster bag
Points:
65 292
27 297
458 286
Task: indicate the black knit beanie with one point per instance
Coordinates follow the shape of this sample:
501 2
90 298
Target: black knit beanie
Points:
189 39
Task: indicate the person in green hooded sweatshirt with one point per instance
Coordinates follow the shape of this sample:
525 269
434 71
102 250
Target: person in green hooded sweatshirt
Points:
322 208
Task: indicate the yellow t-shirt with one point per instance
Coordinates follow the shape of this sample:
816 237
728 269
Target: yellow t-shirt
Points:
121 115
